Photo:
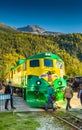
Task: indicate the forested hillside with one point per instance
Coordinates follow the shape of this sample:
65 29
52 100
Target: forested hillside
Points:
15 45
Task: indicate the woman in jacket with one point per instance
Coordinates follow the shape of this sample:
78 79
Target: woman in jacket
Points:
68 94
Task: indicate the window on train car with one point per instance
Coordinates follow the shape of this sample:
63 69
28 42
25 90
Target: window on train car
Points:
14 71
34 63
12 74
48 63
24 66
77 79
18 69
59 64
80 79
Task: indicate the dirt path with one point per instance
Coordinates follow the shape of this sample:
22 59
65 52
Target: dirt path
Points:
75 102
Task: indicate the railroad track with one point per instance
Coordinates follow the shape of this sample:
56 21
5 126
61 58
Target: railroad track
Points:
77 112
69 119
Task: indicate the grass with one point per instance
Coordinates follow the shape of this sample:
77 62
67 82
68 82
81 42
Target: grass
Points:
22 121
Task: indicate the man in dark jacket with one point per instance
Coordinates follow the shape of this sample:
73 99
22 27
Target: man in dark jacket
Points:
9 90
50 93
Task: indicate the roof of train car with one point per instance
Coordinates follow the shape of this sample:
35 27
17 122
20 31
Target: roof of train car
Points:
44 55
19 62
40 55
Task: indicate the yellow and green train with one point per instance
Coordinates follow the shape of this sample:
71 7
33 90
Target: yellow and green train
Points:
34 74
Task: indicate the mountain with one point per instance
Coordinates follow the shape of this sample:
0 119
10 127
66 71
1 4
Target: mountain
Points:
36 30
7 28
32 29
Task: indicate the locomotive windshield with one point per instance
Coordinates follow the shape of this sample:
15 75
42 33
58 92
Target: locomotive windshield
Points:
34 63
59 64
48 63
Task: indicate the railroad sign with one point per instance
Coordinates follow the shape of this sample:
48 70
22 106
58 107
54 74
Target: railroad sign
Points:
4 96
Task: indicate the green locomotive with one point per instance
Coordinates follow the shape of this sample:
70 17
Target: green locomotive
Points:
34 74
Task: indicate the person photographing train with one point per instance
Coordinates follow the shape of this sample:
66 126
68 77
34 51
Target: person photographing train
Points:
9 90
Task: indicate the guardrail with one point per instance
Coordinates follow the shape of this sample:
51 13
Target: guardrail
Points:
3 97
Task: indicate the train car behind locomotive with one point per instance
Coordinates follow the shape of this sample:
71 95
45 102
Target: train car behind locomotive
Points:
34 74
77 80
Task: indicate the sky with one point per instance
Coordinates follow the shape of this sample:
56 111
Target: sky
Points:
52 15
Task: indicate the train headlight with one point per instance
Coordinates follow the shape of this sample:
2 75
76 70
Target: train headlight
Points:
59 83
47 54
38 82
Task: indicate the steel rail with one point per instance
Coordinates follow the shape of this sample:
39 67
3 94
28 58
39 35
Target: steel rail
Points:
66 121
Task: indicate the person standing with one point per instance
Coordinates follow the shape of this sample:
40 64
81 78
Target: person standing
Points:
2 87
9 90
49 76
80 93
68 94
50 100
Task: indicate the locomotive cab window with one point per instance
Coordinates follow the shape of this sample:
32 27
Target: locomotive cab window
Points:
59 64
48 63
34 63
